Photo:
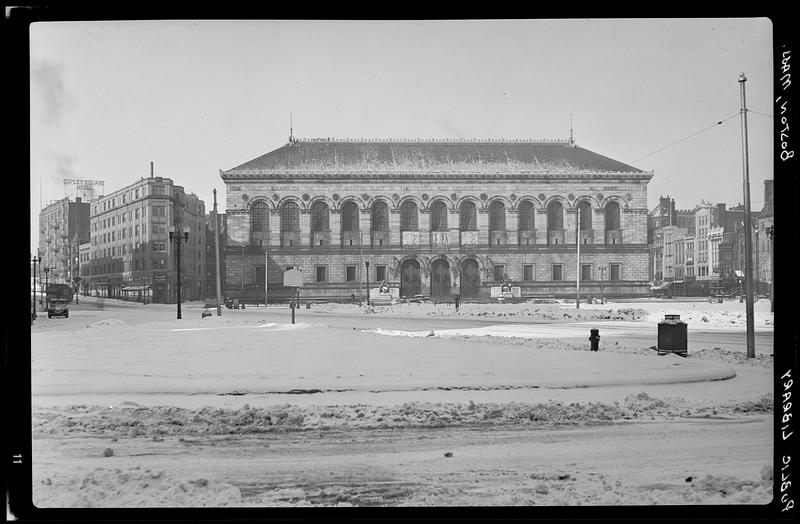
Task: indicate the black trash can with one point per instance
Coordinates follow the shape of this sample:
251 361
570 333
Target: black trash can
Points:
672 336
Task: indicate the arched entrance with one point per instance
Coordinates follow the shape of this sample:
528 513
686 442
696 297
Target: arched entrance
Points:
409 278
440 278
470 278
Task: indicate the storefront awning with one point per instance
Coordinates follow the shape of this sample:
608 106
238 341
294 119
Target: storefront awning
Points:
136 288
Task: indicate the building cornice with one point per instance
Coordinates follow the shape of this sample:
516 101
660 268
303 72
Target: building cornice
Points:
434 175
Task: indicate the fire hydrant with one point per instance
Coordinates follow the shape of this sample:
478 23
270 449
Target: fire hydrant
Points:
594 338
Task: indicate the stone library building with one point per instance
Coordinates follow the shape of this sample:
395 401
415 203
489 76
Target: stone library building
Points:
439 218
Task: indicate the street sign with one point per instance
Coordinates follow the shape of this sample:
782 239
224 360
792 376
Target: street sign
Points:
293 278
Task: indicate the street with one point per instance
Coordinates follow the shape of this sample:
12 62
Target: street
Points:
486 465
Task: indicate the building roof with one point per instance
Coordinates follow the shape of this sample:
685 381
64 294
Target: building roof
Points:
359 158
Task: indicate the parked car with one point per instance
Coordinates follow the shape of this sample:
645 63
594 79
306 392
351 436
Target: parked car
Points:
58 298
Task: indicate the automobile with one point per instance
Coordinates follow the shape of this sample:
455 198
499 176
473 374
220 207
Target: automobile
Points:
58 297
419 298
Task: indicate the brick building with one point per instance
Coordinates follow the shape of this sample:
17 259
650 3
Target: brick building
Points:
435 217
131 255
63 225
766 220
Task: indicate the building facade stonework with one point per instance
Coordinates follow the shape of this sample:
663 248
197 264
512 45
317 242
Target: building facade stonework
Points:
435 217
131 255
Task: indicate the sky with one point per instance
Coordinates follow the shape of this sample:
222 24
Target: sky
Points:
194 97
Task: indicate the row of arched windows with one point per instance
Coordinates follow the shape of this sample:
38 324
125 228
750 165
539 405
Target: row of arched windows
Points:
409 216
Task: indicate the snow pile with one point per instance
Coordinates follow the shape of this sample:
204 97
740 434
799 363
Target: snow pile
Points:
727 315
732 357
107 323
132 487
562 490
707 318
492 310
161 421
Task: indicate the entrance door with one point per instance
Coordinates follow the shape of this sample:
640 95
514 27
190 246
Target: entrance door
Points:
440 279
470 279
409 278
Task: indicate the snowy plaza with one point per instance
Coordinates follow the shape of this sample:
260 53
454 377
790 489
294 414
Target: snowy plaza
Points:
118 381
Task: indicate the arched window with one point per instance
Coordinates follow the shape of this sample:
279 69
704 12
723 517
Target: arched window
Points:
438 216
612 216
290 217
585 210
259 217
555 216
320 217
409 216
350 216
497 216
380 216
468 216
525 212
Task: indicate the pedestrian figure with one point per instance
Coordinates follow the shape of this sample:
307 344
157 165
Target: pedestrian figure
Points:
353 297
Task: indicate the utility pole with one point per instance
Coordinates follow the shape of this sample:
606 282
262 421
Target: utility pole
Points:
748 239
578 241
771 234
266 278
216 255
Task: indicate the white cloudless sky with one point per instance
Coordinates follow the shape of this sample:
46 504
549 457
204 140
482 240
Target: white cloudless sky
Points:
194 97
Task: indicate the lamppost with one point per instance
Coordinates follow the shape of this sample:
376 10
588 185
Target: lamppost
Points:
46 283
602 269
178 238
367 264
35 260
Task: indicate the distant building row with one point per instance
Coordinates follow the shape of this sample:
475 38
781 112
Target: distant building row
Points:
698 251
118 244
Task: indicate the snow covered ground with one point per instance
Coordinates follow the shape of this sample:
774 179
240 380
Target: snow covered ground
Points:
129 372
700 314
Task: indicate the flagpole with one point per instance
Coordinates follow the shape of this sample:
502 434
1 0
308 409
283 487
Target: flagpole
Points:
216 255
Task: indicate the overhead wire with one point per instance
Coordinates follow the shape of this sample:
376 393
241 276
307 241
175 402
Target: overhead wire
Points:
686 137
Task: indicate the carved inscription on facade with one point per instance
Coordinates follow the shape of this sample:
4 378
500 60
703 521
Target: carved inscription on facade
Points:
410 238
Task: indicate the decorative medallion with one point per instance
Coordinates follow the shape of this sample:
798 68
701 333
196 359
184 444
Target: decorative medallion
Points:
275 197
629 196
245 197
365 197
571 197
513 197
541 197
395 197
600 196
484 196
335 196
424 196
306 197
453 197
